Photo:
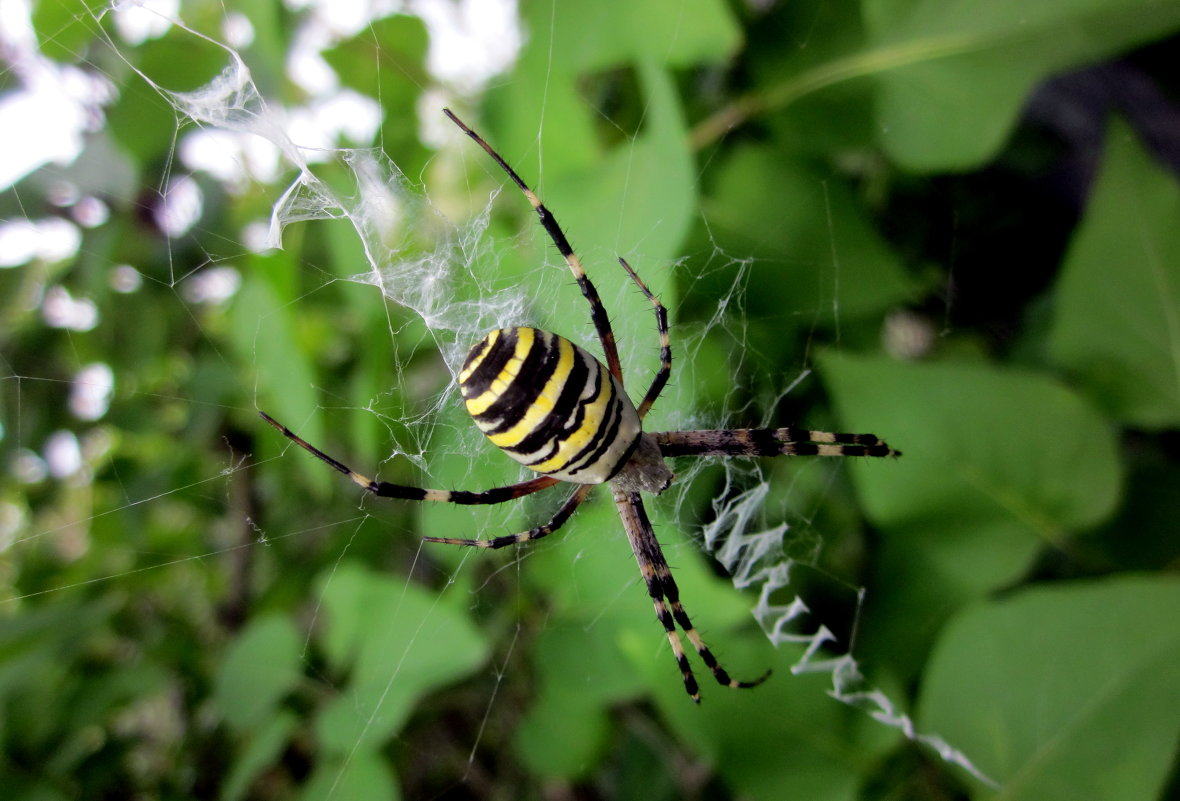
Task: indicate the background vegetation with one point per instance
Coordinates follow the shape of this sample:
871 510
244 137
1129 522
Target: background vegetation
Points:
961 214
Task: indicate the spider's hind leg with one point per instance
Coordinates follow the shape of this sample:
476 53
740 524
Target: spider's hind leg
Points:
666 596
558 520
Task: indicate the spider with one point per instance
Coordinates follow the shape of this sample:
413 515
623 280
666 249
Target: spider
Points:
555 408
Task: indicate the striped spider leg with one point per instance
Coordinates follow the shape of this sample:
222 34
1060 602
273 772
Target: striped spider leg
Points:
555 408
769 442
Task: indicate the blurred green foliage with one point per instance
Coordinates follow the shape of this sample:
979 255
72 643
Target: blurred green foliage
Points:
884 191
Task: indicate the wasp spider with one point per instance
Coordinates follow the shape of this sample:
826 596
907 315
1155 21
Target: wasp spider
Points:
556 409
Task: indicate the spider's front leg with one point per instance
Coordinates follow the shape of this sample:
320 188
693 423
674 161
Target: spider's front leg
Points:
665 371
384 489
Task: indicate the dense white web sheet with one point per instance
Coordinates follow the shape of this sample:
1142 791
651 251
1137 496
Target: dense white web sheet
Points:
387 212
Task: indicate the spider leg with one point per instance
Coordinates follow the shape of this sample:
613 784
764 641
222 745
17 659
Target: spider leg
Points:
384 489
661 378
563 514
770 442
597 311
665 595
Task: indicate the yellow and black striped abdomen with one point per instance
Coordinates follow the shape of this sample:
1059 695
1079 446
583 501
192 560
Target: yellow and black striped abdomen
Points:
549 404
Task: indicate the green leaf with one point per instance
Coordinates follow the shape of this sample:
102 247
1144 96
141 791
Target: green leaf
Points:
580 717
600 36
602 644
1064 692
396 44
386 62
65 29
643 198
32 643
786 738
397 642
997 464
1117 326
264 334
361 777
813 245
145 118
263 750
954 74
821 33
636 200
261 666
985 450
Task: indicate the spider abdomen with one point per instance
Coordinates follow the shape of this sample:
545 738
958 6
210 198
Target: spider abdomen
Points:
549 404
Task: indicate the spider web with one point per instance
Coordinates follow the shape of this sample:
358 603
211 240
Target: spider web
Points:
454 290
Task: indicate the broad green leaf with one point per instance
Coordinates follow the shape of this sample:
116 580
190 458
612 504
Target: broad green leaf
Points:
634 197
264 334
602 643
261 666
270 43
144 119
386 61
636 200
580 717
142 122
361 776
990 449
65 29
794 43
600 36
786 738
263 749
954 74
997 465
395 641
1117 326
41 637
813 245
1064 692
